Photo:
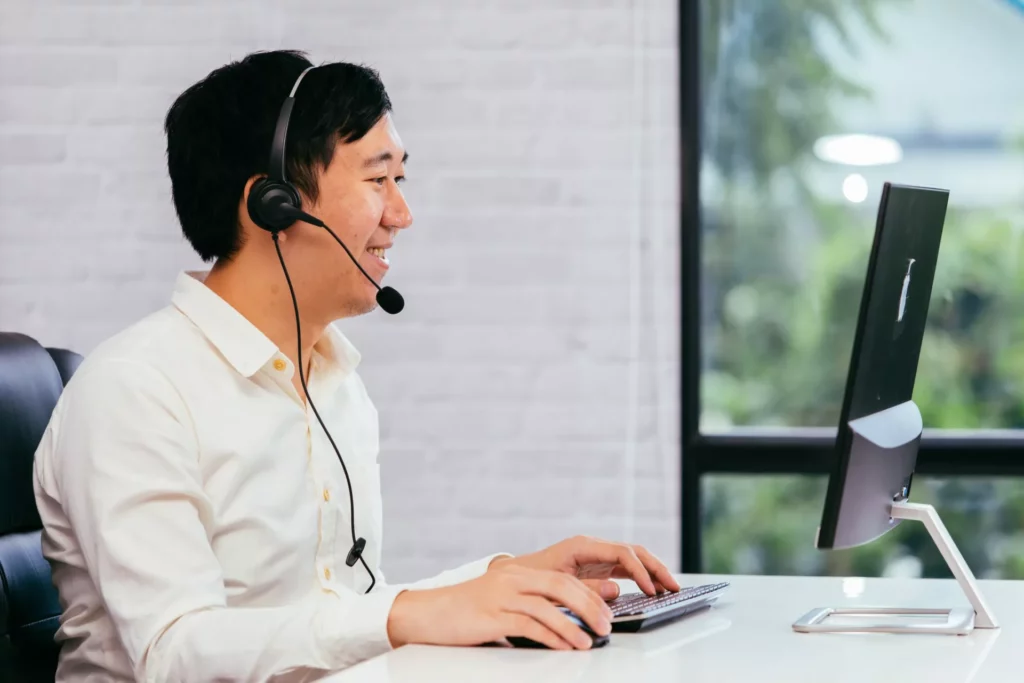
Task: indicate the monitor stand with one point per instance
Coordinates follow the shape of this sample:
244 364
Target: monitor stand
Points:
952 621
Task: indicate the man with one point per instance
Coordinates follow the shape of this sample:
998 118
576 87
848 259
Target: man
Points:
197 518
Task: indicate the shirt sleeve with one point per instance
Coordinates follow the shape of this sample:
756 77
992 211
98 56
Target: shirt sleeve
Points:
450 577
127 471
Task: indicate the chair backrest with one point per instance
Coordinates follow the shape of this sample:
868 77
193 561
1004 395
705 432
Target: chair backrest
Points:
31 380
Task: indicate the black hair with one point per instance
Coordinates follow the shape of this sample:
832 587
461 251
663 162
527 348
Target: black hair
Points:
220 129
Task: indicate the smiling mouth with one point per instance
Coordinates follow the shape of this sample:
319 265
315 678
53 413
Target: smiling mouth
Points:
379 254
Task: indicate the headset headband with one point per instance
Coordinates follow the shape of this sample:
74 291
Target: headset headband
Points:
281 132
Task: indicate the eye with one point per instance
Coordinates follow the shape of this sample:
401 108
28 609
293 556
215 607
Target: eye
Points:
380 181
400 179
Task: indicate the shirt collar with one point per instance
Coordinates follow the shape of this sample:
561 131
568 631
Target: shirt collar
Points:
241 343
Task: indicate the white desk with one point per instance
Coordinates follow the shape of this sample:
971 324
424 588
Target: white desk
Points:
747 636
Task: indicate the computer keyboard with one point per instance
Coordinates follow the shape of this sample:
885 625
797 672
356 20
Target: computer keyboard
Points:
637 603
633 611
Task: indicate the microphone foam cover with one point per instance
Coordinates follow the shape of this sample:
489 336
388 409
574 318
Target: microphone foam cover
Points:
390 300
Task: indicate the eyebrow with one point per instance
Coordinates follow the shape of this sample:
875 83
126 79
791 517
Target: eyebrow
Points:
382 158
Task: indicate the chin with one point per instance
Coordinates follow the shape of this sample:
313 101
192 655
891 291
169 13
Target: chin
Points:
362 306
368 308
350 297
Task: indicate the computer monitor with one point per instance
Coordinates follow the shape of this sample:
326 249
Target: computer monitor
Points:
879 425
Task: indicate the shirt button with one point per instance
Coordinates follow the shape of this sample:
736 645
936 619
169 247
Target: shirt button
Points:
327 573
327 495
279 365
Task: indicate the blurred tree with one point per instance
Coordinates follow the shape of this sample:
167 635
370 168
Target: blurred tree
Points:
782 281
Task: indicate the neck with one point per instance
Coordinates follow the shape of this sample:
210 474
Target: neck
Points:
260 293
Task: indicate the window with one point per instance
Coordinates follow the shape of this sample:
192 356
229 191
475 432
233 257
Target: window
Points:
800 111
766 525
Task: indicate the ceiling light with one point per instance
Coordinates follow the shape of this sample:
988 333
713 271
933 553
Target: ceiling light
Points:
858 150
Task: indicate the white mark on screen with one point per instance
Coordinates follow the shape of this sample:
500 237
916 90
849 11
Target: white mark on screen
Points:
903 295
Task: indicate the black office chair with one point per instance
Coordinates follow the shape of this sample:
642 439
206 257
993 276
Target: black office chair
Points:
31 379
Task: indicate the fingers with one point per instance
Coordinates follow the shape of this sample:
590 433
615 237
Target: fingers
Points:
571 592
622 555
528 627
656 568
622 574
557 627
608 590
630 561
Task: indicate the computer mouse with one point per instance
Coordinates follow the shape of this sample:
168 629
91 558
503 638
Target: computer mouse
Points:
596 641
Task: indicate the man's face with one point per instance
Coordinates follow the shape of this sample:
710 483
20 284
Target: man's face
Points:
361 201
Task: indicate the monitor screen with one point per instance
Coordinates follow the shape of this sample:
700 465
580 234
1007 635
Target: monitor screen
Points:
883 367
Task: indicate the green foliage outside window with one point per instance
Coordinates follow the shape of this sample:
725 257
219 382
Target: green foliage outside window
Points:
781 286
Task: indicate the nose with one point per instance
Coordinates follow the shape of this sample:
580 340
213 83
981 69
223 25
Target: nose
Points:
396 212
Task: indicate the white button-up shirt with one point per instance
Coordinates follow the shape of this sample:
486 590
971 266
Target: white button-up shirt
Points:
195 515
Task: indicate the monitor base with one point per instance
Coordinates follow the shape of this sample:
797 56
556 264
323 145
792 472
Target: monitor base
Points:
958 621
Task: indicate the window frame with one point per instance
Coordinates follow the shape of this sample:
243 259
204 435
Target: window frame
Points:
800 451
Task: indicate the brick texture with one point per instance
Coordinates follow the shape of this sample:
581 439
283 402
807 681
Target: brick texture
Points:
529 391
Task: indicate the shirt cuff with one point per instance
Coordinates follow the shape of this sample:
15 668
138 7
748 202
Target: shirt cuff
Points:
353 629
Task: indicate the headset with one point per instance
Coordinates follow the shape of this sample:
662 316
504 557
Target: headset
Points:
274 204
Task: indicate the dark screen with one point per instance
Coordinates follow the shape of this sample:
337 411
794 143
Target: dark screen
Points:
886 347
886 366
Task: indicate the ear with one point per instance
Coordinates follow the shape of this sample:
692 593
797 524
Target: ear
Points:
249 183
247 227
244 219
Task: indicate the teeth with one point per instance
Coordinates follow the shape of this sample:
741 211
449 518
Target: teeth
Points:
378 252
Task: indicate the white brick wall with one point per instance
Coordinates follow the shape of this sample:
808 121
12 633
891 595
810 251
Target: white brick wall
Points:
529 390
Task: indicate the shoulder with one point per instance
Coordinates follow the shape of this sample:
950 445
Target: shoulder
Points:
120 404
127 377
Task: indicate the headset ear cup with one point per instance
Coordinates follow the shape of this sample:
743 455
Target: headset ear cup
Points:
265 196
296 200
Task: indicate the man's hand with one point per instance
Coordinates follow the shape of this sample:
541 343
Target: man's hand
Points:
595 561
505 601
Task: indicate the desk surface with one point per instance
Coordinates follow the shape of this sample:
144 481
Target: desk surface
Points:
747 636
